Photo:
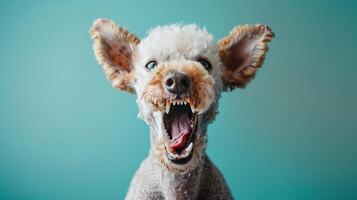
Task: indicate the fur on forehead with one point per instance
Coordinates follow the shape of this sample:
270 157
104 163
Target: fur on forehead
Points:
176 41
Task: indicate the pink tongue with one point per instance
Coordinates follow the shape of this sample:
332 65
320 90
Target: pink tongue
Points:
180 131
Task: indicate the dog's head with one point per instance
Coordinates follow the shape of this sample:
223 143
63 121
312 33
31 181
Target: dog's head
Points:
178 73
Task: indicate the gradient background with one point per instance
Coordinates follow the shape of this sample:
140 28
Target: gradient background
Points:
66 134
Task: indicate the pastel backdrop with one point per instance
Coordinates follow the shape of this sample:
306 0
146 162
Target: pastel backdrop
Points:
66 134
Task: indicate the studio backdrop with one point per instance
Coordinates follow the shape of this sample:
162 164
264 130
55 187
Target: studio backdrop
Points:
65 133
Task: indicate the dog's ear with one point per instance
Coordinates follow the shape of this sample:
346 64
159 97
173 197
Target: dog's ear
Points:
242 52
114 48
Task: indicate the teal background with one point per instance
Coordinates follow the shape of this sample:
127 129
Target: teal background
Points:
66 134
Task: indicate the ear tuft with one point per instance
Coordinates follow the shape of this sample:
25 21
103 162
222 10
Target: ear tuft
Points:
114 48
242 52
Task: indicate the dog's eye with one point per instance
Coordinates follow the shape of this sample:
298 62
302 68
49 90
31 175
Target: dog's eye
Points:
205 64
151 65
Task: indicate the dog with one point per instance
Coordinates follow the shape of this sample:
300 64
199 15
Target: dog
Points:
178 73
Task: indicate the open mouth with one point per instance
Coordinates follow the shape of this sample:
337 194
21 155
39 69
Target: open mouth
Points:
180 122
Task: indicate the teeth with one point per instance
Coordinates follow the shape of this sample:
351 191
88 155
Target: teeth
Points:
172 155
192 108
189 148
184 154
168 104
179 102
187 151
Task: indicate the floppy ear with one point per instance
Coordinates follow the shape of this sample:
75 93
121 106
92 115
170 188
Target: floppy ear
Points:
114 48
242 52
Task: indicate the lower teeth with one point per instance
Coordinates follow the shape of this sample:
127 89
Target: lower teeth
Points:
185 153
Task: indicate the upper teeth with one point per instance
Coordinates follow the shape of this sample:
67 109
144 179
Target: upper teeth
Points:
168 104
179 102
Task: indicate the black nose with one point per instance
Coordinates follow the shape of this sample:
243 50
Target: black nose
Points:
177 83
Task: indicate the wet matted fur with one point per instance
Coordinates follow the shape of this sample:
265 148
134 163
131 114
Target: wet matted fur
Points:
211 68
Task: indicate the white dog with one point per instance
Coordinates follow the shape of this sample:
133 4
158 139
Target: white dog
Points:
178 73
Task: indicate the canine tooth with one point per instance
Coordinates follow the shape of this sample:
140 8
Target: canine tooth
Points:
189 148
174 103
185 102
167 106
186 153
192 108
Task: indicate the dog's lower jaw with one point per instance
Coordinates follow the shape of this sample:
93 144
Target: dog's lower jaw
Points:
160 154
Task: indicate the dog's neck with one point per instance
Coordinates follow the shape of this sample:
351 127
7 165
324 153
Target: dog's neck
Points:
181 186
176 185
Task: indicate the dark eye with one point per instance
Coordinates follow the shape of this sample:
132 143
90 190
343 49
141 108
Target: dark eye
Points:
205 64
151 65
